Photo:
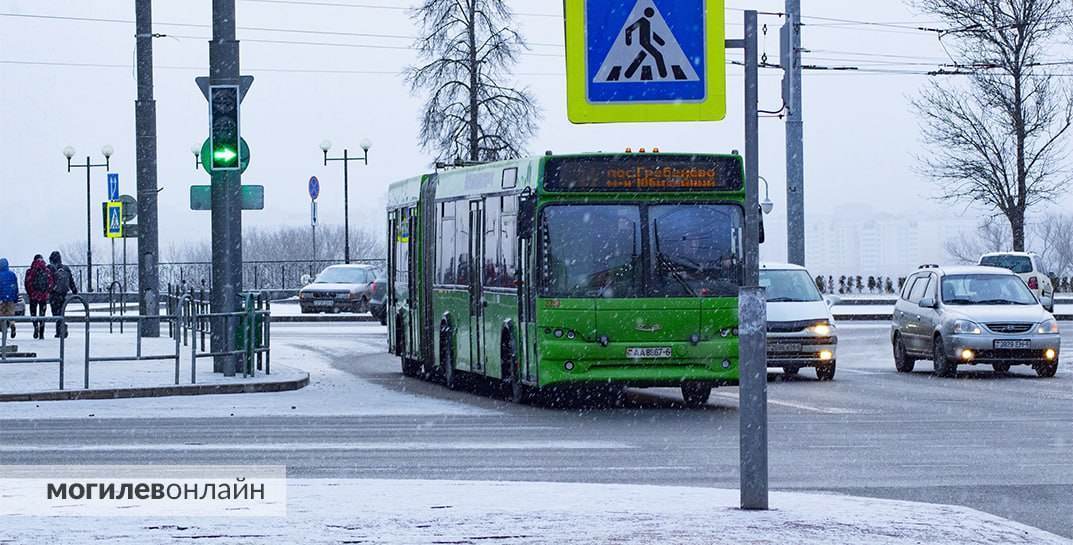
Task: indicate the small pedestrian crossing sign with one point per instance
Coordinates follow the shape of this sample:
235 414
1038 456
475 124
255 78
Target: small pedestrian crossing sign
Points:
646 60
115 220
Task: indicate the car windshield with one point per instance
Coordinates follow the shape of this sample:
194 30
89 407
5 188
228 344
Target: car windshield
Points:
986 289
1017 263
610 251
789 287
340 275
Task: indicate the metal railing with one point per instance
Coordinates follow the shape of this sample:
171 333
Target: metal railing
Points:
186 318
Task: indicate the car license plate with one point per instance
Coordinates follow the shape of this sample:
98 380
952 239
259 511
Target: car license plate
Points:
1013 345
784 348
663 352
323 303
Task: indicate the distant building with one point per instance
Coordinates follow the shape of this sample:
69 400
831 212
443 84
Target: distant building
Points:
863 241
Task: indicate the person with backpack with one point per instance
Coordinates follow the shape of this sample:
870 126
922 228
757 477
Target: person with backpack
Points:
38 284
9 292
63 283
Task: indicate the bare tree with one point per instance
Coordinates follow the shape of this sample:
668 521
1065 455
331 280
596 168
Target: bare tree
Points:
291 244
472 111
991 236
1055 234
997 139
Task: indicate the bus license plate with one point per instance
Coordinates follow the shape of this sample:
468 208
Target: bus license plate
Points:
1013 345
649 353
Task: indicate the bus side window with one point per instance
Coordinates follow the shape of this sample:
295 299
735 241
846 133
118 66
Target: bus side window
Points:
508 244
492 218
461 261
445 247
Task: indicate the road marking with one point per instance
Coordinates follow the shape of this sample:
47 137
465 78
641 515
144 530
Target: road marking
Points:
792 405
412 446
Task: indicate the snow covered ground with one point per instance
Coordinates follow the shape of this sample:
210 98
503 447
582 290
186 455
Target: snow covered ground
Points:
305 348
414 511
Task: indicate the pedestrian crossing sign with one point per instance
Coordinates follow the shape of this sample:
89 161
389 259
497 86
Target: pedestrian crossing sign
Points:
645 60
115 220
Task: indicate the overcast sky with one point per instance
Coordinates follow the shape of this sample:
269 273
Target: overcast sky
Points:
861 137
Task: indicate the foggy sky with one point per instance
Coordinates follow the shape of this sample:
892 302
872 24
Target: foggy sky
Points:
861 137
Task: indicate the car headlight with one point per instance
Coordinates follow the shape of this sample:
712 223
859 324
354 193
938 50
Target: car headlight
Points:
965 327
1050 327
822 329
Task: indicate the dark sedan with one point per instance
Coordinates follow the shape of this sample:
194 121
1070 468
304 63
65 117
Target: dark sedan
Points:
378 299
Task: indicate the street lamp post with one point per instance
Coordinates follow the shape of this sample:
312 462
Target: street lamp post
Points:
767 206
69 153
366 145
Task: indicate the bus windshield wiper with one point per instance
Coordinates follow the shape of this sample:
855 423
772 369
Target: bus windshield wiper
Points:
677 274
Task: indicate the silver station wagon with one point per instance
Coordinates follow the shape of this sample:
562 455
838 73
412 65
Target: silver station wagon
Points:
972 316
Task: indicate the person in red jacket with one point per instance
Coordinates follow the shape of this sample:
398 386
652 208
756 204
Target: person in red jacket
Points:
39 283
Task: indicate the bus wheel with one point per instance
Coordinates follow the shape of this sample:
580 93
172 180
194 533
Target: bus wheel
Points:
696 394
412 368
447 360
512 376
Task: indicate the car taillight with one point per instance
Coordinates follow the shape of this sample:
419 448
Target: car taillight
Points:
1033 283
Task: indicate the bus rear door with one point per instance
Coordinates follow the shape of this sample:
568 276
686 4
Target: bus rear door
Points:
477 302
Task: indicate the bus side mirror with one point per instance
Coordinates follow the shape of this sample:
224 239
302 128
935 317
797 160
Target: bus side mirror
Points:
526 216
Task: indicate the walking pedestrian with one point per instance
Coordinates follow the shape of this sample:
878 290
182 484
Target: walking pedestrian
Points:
9 293
62 284
39 282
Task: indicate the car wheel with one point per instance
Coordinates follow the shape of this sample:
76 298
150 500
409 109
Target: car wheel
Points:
943 366
825 372
363 306
383 318
696 394
902 362
1047 370
1001 368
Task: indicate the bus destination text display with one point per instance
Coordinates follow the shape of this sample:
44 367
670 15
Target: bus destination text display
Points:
651 173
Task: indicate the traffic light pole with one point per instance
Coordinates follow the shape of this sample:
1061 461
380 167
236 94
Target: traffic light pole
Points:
226 197
145 126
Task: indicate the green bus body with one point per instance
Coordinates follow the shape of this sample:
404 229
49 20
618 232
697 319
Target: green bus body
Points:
465 282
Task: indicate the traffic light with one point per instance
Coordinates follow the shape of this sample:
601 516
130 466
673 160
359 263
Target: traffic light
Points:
224 124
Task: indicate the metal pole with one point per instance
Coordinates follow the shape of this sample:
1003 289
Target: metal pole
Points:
226 195
89 231
346 203
752 406
145 127
795 139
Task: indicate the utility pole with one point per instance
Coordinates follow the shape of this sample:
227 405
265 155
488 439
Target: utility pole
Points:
145 127
226 199
795 135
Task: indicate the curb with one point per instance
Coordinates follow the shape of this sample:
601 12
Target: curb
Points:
162 391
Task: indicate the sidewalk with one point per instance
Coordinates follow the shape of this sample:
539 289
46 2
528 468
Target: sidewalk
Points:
410 511
124 379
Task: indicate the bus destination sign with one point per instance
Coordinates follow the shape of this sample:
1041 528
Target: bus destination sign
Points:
644 173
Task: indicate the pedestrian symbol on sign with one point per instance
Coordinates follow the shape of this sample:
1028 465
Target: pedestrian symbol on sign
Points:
646 50
115 220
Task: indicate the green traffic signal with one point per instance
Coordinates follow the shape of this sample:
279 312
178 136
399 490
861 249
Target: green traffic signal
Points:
226 156
224 127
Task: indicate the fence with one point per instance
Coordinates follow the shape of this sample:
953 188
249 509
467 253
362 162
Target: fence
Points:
256 275
185 317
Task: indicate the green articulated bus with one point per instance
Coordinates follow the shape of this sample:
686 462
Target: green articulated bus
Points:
571 270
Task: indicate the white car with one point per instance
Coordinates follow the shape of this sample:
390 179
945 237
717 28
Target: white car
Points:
801 329
1029 267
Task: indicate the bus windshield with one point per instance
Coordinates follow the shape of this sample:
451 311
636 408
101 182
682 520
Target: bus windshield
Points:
628 251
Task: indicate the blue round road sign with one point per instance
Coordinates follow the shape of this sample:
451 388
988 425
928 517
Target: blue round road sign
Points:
314 188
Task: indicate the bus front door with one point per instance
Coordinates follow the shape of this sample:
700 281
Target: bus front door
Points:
477 302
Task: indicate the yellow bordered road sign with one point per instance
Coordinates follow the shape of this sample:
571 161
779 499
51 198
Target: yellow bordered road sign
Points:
115 220
645 60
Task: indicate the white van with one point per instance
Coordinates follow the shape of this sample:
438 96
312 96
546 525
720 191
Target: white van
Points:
801 329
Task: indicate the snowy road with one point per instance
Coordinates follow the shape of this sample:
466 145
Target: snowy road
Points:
998 444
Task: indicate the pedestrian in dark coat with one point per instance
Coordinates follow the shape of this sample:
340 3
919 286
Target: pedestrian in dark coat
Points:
39 283
9 292
63 283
